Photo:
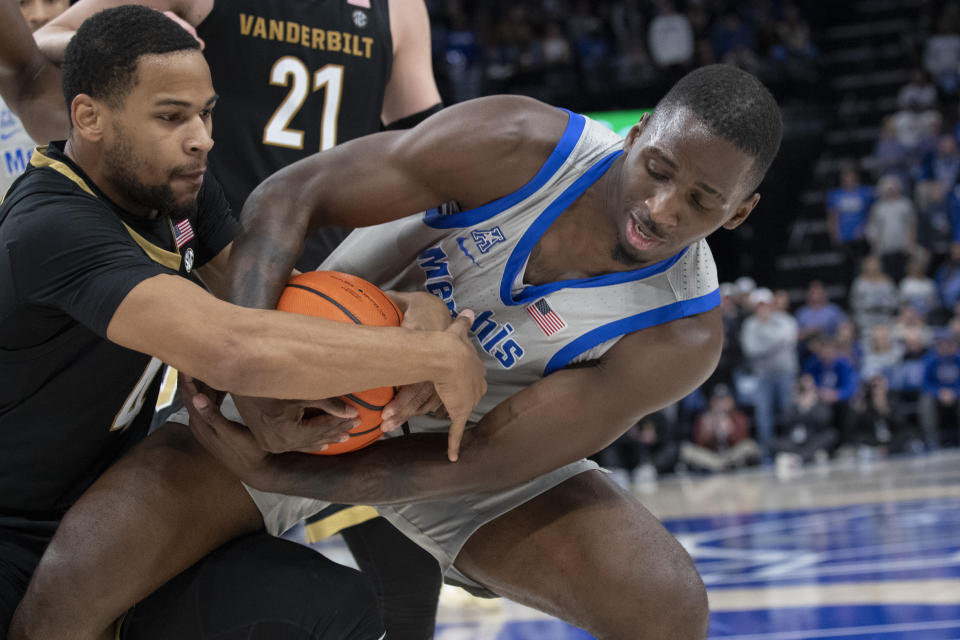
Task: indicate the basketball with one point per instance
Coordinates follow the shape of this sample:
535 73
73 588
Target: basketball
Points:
346 298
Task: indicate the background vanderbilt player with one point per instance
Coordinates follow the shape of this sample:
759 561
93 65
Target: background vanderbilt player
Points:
98 242
581 214
296 77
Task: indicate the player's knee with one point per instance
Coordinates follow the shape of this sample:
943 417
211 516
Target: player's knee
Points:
679 607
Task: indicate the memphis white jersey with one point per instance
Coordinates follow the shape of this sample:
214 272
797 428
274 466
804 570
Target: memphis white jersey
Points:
476 260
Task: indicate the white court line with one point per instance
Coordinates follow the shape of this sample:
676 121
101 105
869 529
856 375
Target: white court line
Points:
849 632
923 592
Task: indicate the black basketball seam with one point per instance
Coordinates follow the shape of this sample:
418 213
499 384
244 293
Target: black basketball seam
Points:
365 405
328 299
354 434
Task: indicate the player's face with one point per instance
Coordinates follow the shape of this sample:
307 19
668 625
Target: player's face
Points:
156 147
678 183
39 12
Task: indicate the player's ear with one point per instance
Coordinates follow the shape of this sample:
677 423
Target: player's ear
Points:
635 131
87 117
742 212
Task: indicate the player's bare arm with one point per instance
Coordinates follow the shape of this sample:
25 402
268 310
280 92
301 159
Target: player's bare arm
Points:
578 410
411 88
509 139
281 355
53 37
29 83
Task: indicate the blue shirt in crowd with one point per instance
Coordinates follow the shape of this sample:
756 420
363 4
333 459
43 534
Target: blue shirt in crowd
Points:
852 207
838 375
942 372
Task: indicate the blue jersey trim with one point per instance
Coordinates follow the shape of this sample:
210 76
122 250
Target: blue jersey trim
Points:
521 252
571 135
645 320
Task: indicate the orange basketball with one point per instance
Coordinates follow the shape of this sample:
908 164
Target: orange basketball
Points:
346 298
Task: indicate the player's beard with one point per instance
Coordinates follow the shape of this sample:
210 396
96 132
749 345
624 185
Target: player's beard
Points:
122 164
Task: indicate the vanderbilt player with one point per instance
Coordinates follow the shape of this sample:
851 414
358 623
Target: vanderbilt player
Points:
296 77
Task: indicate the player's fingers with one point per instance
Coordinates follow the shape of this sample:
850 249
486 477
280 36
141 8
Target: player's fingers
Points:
457 426
334 406
461 325
411 400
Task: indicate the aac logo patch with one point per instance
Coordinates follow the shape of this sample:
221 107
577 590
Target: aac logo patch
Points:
486 238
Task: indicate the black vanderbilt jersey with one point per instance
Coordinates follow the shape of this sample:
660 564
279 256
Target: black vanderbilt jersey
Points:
294 77
70 400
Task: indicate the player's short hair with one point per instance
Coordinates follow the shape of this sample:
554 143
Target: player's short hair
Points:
735 105
101 59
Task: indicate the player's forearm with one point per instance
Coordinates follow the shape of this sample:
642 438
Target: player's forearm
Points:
289 356
274 225
504 450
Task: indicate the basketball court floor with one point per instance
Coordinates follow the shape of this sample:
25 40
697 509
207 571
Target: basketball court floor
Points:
853 550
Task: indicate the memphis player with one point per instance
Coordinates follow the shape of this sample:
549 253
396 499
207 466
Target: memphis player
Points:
597 306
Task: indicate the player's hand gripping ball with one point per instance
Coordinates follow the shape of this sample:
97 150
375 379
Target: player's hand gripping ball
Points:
347 298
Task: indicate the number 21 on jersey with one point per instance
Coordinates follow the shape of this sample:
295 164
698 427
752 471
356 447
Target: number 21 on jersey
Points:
290 71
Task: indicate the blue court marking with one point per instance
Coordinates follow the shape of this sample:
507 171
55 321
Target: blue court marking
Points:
886 622
516 630
857 543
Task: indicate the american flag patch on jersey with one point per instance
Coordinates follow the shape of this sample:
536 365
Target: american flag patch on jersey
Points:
545 317
182 233
364 4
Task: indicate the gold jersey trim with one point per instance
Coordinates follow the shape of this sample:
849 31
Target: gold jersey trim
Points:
40 159
168 259
337 522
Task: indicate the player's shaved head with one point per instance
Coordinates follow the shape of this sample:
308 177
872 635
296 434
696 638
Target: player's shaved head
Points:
733 104
101 59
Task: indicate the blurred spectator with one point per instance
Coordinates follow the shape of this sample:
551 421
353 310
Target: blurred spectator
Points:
918 91
939 409
848 209
941 57
730 36
807 429
556 47
834 376
889 156
731 356
818 315
781 300
891 229
647 450
916 129
875 422
846 342
462 57
794 33
671 38
938 173
880 353
873 295
769 341
721 436
909 321
906 378
948 277
917 289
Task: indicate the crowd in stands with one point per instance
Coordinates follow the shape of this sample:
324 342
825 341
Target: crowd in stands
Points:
563 50
872 372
